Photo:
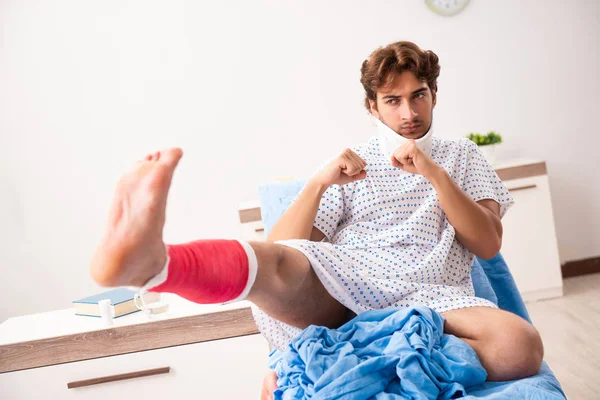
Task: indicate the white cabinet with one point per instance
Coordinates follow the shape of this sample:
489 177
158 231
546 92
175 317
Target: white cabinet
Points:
221 369
529 241
253 231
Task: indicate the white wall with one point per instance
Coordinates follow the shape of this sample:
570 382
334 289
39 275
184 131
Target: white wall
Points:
253 90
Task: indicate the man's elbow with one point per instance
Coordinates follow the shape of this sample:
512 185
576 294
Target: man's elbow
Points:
491 248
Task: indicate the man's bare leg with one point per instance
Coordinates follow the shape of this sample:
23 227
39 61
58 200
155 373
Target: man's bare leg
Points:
508 346
132 250
288 289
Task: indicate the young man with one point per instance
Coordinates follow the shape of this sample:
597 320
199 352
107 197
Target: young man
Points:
403 216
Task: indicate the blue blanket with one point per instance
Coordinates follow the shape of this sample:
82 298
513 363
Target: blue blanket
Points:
394 354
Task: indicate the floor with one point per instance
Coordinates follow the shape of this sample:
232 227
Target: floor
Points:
570 329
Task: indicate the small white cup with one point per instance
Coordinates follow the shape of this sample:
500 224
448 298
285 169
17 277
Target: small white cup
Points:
153 309
106 312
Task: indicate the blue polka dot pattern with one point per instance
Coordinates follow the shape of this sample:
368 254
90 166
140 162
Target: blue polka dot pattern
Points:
390 243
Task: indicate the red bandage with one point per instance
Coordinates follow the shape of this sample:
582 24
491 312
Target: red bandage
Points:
210 271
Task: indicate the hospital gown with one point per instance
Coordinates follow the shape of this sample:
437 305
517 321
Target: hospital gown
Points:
389 241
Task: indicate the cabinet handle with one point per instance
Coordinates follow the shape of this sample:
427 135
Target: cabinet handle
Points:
120 377
522 188
260 229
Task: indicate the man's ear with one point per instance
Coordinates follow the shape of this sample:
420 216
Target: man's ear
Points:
373 106
434 95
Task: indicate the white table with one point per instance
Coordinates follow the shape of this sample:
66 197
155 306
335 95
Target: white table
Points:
191 351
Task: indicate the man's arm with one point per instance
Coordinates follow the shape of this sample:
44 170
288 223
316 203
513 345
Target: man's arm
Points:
477 224
297 221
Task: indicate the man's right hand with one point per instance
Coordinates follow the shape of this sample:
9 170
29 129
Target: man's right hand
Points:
345 168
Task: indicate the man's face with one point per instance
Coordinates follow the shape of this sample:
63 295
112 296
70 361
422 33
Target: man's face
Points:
406 106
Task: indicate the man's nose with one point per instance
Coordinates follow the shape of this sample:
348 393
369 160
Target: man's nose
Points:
407 111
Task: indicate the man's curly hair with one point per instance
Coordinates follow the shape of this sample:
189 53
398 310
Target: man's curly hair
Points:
383 65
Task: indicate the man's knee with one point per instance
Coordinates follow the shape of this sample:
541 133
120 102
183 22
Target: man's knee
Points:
508 345
290 290
281 269
289 265
518 348
276 259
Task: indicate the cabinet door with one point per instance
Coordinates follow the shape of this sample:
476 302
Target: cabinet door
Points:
220 369
253 231
529 241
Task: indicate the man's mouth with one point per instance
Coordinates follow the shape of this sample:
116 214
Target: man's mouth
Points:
410 128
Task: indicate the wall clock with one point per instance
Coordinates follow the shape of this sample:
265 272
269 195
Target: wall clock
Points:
446 7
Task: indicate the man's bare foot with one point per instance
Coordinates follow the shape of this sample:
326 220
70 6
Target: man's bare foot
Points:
269 386
132 250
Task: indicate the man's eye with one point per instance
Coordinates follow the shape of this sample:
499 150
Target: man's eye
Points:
392 101
420 95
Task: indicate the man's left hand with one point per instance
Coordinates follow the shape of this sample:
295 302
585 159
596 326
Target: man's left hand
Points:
411 159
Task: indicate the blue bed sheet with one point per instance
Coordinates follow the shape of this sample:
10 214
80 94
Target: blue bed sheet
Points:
394 354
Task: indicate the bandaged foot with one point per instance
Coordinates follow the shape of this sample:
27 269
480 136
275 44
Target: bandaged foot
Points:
132 252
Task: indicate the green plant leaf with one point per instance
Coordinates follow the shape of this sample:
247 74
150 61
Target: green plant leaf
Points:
484 140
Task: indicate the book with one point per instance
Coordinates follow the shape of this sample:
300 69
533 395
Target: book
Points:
121 302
